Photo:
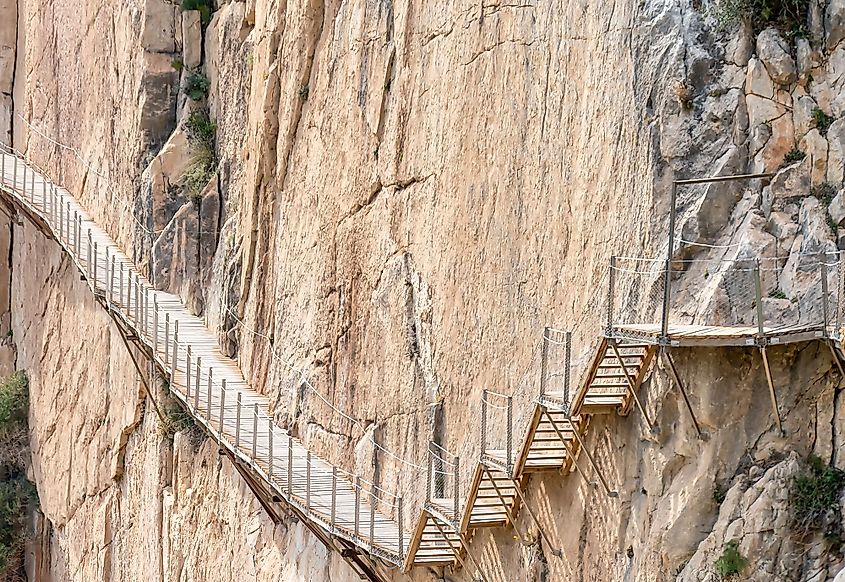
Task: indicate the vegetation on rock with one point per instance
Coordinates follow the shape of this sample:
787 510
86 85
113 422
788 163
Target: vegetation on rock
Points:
201 133
814 498
788 16
793 155
17 494
196 86
731 562
821 120
205 7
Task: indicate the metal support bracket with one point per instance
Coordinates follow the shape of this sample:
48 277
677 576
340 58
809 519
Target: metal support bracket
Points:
674 373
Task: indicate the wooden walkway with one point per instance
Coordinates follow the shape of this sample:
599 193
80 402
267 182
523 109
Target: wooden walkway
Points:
341 505
210 385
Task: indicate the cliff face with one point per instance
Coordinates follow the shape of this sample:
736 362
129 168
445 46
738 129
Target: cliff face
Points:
405 193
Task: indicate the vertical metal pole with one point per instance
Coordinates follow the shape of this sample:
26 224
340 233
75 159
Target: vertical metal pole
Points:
3 167
357 504
155 324
401 530
270 450
67 224
88 254
428 478
334 496
457 462
166 337
611 280
223 419
208 395
483 420
840 289
758 300
111 280
566 371
509 461
254 429
544 357
670 250
290 466
95 266
188 374
15 174
174 361
238 422
197 386
373 501
308 481
825 298
24 182
120 289
32 188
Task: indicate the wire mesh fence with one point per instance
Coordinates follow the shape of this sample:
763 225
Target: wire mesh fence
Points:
759 296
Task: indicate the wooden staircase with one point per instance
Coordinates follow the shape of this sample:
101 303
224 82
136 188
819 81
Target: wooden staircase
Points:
616 372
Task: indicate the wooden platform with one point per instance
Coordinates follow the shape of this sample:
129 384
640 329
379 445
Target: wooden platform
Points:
710 335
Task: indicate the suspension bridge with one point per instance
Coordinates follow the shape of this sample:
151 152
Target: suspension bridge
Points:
359 519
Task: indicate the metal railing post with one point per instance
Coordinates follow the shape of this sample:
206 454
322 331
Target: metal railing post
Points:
208 395
254 430
334 497
88 255
483 420
223 417
428 479
238 422
155 324
270 450
166 338
758 298
67 223
357 505
290 466
188 374
544 356
23 184
174 361
825 296
120 290
510 436
667 297
611 280
457 488
839 291
197 385
111 280
308 481
401 530
94 276
372 516
567 369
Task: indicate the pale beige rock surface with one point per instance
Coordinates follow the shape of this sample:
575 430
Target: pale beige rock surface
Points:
406 192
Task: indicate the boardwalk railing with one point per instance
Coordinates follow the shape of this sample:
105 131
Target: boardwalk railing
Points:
207 383
443 486
770 295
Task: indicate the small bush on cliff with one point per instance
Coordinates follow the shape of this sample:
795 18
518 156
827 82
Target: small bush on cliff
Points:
196 86
201 135
793 155
205 7
14 400
814 498
821 120
788 16
731 562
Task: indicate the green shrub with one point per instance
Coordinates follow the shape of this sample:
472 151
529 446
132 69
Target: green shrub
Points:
201 135
731 561
719 493
14 400
788 16
201 129
824 192
777 294
205 7
794 155
813 494
196 86
177 65
821 120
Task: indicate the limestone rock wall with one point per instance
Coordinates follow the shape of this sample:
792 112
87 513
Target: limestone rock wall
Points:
405 193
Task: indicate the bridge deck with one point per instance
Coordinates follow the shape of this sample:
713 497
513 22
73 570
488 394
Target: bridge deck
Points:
209 384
